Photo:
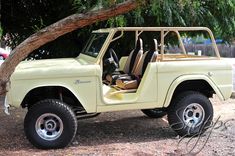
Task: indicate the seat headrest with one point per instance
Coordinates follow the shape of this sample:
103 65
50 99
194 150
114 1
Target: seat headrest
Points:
153 45
156 44
139 44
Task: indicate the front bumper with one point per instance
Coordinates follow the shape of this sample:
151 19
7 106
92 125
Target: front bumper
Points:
6 106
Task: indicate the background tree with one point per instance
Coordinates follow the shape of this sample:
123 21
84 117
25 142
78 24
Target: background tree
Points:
25 17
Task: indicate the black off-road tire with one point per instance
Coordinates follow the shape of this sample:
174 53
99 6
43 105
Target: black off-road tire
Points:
154 113
188 101
53 117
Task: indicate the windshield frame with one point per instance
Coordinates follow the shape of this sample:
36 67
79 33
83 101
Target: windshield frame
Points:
91 41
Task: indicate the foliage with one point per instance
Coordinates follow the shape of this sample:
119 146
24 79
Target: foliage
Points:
24 17
215 14
1 30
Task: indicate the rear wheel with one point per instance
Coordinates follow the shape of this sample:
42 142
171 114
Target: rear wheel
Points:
50 124
154 113
190 113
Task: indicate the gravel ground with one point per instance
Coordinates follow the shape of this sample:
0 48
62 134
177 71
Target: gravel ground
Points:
126 133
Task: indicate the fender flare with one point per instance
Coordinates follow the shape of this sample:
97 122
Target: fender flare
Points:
183 78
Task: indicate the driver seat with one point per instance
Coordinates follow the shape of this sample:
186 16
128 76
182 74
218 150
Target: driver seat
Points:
131 63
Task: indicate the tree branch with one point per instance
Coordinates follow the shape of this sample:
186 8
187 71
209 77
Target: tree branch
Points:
56 30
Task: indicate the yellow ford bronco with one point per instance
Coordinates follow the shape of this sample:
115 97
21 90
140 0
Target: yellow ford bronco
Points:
158 70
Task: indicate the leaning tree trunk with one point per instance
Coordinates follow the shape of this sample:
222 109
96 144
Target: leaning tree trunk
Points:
54 31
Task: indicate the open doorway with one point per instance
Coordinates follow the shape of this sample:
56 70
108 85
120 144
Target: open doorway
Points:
125 63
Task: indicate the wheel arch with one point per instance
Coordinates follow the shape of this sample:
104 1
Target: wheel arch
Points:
199 83
52 92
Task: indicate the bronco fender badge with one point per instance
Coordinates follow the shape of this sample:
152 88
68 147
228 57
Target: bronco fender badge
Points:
79 81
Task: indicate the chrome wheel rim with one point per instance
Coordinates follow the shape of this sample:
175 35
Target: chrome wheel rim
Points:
49 126
193 115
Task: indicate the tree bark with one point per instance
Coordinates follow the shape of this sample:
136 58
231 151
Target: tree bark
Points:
54 31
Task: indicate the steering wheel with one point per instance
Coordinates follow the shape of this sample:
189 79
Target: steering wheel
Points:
114 57
111 63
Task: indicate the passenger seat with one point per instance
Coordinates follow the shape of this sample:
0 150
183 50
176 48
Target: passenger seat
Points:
132 81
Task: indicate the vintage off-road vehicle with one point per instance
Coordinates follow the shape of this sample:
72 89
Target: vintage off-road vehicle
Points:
158 70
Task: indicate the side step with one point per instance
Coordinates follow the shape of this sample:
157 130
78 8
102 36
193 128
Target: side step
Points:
87 116
82 114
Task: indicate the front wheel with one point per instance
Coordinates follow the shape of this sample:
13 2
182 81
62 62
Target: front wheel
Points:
50 124
190 113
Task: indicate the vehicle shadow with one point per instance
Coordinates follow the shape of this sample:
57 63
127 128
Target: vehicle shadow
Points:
116 127
128 128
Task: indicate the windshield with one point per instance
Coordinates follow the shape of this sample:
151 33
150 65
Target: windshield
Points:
94 44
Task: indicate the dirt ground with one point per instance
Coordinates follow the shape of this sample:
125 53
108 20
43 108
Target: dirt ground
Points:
127 133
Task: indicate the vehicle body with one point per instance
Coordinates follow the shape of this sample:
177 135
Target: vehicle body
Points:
79 83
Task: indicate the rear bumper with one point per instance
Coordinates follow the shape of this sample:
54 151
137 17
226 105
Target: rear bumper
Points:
233 95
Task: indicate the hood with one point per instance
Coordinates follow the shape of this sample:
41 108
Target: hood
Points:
53 68
47 63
